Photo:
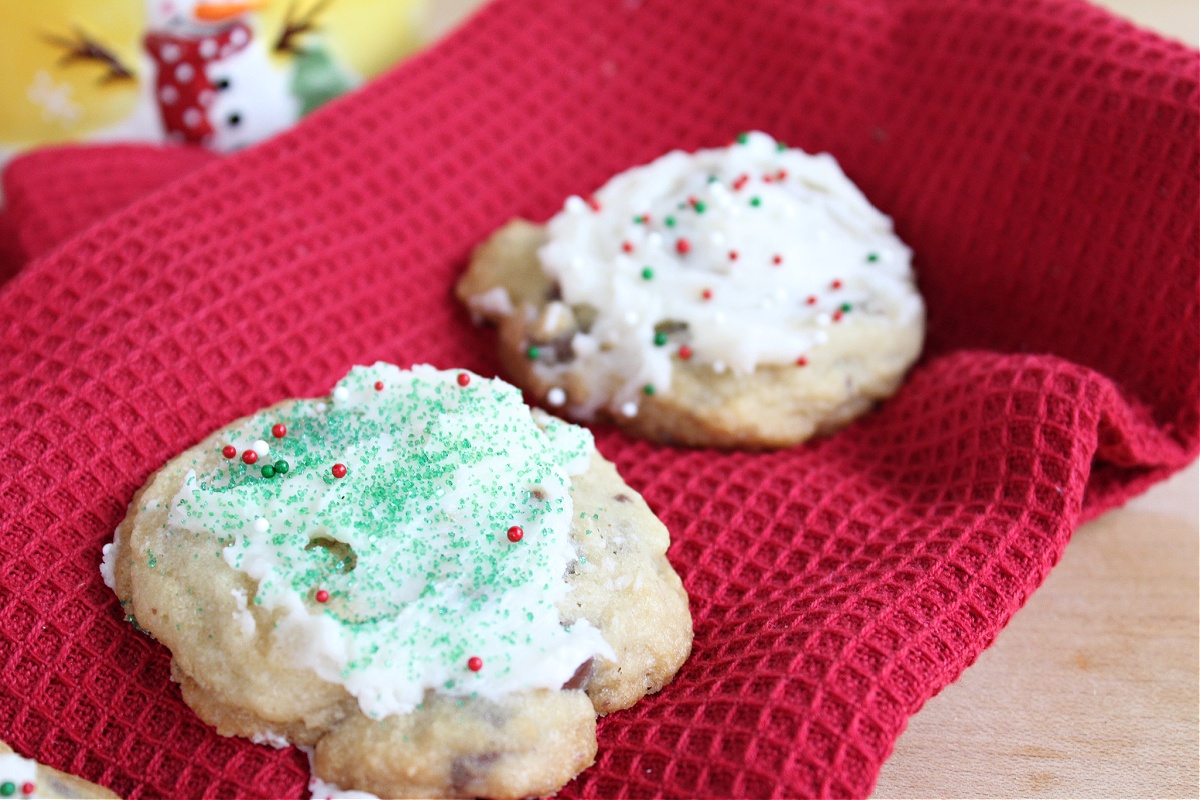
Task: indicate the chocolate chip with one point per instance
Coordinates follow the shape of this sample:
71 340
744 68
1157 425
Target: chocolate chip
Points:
670 326
622 498
582 676
464 770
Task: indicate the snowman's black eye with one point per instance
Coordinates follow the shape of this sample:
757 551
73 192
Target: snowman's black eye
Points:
234 119
222 84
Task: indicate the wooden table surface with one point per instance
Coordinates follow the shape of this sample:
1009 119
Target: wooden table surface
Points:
1091 691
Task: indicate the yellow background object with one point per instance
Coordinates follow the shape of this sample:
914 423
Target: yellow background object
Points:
44 100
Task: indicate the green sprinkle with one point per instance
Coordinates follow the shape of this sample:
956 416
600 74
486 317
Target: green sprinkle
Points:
7 788
846 308
640 219
712 178
282 467
872 257
699 206
669 222
660 338
742 138
268 471
647 273
648 389
756 201
781 146
533 353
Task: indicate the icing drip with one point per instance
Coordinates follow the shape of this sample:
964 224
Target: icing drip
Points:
384 543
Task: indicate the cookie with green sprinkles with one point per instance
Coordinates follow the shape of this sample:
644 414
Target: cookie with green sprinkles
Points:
24 779
432 586
740 297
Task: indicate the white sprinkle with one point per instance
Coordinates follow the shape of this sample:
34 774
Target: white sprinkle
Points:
170 52
654 239
320 407
719 317
575 204
629 409
168 94
185 72
718 366
631 318
781 294
260 447
556 396
192 117
262 525
341 394
824 319
208 48
821 337
717 238
239 36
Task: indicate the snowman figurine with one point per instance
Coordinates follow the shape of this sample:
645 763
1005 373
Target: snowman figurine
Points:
213 84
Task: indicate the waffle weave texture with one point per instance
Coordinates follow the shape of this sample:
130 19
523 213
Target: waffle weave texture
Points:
1041 157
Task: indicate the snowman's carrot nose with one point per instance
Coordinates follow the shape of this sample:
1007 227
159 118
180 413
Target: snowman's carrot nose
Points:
221 10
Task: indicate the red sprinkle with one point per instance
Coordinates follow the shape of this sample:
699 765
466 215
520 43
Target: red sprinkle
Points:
685 352
706 294
28 788
733 255
593 204
777 260
229 451
249 456
683 246
766 178
836 284
627 247
339 470
474 663
801 362
781 175
464 379
516 534
379 386
837 315
740 182
279 430
812 300
322 596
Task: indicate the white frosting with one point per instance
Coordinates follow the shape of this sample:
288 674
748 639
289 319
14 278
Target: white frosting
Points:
108 561
436 473
18 771
760 228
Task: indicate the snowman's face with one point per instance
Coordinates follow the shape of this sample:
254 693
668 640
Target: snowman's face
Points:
196 17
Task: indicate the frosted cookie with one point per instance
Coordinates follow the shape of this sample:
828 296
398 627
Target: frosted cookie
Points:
747 296
431 587
25 778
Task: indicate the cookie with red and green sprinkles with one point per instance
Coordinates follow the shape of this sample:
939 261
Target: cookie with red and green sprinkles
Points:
405 575
25 779
746 296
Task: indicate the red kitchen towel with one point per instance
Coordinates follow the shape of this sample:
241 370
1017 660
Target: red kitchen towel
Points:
1041 157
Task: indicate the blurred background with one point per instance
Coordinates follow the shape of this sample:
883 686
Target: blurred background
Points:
225 74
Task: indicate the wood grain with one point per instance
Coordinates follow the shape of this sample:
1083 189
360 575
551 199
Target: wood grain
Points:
1092 690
